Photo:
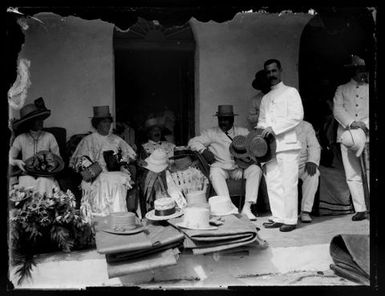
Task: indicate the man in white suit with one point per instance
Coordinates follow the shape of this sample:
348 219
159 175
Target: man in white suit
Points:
280 112
214 144
351 110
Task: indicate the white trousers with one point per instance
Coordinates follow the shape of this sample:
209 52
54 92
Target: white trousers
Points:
252 175
282 181
309 188
353 178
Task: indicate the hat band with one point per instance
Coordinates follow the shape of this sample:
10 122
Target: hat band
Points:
240 150
165 212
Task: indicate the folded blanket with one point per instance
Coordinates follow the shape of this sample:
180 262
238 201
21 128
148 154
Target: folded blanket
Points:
350 254
162 259
233 233
154 236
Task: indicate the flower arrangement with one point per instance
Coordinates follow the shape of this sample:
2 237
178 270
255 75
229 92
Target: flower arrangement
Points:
43 223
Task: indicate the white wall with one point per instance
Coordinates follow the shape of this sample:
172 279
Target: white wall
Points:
71 68
230 53
72 63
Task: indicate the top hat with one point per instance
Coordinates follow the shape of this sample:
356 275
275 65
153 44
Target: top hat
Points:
181 152
356 62
102 112
222 206
32 111
225 110
157 161
259 148
354 139
197 218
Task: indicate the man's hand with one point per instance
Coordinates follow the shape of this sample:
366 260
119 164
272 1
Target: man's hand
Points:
209 156
267 131
310 168
358 124
19 163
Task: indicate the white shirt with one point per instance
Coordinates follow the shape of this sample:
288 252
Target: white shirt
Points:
218 143
281 108
351 103
311 149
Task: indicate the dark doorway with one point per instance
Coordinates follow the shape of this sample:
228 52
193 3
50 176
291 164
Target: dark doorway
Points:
326 44
154 73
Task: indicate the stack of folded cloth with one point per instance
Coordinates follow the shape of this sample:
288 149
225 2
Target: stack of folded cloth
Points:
143 248
234 231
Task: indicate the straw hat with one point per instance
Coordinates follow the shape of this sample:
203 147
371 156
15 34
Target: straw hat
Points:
164 209
122 223
225 110
32 111
196 218
222 206
259 148
354 139
157 161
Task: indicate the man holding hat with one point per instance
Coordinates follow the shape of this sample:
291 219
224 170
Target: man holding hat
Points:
351 110
281 111
31 140
214 144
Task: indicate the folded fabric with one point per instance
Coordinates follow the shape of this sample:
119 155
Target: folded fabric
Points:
154 236
350 254
236 231
162 259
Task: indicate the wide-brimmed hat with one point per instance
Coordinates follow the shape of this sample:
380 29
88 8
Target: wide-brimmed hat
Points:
32 111
164 209
181 152
102 112
356 62
259 148
44 164
157 161
225 110
354 139
238 146
122 223
197 218
222 206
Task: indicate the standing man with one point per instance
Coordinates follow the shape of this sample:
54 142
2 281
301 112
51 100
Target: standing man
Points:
281 111
351 110
309 158
214 144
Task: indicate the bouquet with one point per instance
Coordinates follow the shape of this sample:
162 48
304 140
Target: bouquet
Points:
41 223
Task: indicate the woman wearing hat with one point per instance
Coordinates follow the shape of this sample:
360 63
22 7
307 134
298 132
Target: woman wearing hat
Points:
31 140
107 193
351 110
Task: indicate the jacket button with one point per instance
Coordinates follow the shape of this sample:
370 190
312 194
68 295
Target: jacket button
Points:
357 96
356 105
356 115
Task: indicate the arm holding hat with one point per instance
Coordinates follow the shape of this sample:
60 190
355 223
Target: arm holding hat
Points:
200 144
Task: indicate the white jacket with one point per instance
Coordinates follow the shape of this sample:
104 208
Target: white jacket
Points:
218 143
351 103
281 109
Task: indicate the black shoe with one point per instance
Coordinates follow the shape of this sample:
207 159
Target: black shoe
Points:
287 227
360 216
272 224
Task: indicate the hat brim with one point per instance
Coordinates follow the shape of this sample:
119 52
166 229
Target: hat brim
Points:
231 212
225 114
40 114
235 154
138 228
271 144
151 215
37 173
182 155
182 225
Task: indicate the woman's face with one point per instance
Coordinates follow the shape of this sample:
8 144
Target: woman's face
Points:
104 126
155 134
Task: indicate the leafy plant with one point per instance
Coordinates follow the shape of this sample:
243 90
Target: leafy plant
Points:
43 223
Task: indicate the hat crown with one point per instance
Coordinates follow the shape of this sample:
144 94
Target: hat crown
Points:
101 111
225 110
28 109
196 217
150 122
239 143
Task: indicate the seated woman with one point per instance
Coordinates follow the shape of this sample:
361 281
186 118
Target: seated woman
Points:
107 193
31 140
155 139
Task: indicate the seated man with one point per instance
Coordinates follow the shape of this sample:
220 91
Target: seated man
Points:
309 159
214 144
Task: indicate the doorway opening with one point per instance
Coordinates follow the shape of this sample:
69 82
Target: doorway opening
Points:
154 76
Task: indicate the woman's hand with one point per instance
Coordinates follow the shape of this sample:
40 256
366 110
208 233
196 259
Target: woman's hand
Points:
19 163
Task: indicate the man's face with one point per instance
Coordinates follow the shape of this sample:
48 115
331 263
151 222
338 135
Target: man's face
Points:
37 124
361 75
155 134
273 74
104 126
225 122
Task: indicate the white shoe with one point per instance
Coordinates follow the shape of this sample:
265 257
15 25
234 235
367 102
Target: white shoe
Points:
246 211
305 217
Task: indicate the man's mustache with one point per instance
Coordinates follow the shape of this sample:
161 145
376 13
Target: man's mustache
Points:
272 78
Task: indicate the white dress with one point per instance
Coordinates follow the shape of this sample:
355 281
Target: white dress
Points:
107 193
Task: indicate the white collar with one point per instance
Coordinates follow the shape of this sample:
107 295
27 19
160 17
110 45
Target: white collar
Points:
278 85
